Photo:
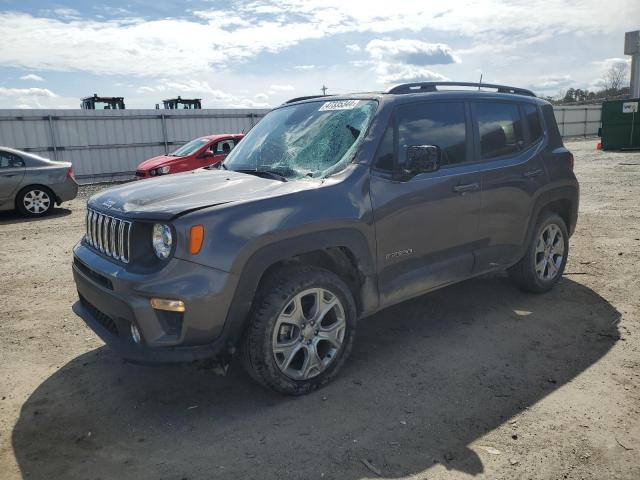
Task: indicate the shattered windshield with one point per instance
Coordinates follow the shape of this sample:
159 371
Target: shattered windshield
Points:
307 140
189 148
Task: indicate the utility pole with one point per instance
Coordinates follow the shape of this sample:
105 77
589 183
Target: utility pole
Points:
324 89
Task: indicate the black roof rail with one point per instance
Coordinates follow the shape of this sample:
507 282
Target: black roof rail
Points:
419 87
308 97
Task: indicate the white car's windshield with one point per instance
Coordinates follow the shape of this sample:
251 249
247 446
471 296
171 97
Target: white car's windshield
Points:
306 140
189 148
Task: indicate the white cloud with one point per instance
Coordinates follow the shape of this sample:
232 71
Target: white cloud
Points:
411 52
353 48
282 88
407 60
608 62
211 97
305 67
141 47
26 92
389 73
32 77
553 81
34 98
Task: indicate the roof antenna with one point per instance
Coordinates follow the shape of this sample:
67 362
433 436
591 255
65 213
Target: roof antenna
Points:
324 90
480 84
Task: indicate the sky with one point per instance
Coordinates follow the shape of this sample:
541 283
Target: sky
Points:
257 54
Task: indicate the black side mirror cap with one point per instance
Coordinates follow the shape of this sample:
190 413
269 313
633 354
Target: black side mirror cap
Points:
420 159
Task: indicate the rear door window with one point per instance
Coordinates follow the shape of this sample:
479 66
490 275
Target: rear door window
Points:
9 160
500 128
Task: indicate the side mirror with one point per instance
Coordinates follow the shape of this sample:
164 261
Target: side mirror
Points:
207 154
420 159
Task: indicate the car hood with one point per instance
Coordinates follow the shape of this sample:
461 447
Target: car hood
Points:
165 197
156 162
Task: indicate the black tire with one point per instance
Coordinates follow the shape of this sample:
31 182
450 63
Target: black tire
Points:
524 272
47 201
277 293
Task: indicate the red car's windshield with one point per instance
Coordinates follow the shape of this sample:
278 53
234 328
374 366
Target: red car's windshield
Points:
189 148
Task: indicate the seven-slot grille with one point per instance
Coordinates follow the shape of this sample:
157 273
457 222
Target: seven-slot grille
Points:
109 235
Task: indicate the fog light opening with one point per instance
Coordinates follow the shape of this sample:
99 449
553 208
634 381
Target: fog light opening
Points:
167 304
135 334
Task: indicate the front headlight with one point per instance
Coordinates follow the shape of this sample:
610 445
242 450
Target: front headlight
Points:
162 241
163 170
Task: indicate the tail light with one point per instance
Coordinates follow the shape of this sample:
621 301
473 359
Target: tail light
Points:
70 173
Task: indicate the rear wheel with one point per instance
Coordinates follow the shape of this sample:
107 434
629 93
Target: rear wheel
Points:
301 330
35 201
546 256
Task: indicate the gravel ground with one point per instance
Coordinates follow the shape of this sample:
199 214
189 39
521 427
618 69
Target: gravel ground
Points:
475 380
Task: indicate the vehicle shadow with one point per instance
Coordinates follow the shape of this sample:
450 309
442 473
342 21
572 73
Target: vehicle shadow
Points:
425 380
13 216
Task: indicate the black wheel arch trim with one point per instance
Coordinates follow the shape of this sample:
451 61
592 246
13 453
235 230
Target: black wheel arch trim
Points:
261 260
567 192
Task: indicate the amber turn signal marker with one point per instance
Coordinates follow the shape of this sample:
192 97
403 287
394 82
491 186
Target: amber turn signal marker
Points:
167 304
196 237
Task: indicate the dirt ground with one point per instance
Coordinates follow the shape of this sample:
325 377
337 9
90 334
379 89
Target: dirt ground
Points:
475 380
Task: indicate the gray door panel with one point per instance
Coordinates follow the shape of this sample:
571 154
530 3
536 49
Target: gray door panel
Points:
425 232
510 184
11 173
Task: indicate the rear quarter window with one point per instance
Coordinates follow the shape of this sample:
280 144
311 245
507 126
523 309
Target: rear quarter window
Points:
533 121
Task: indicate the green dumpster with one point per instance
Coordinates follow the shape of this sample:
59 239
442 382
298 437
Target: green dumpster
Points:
620 124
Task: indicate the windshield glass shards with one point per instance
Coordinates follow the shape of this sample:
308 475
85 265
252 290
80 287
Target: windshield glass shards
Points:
307 140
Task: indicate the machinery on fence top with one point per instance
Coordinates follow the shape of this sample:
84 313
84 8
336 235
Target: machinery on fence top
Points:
102 103
182 103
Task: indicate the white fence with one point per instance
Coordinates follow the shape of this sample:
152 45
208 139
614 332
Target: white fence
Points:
105 144
578 121
111 143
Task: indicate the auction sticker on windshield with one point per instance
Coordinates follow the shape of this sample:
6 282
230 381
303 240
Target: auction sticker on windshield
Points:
339 105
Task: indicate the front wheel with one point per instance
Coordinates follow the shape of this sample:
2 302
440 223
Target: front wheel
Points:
301 330
546 256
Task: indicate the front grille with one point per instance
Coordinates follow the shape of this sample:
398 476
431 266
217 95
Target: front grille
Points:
139 173
104 319
109 235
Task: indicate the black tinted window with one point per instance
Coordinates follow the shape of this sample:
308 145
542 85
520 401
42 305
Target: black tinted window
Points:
533 120
500 129
385 154
441 124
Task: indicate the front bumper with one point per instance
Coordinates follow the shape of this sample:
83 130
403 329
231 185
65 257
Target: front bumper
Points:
112 299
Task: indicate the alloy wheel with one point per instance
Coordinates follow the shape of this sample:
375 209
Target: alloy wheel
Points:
36 201
549 252
308 333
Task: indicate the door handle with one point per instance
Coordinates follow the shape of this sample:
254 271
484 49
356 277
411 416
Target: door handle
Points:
533 173
469 187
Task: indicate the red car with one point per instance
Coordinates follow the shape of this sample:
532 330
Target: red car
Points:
198 153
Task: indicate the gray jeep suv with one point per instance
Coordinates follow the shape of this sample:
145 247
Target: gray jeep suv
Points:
330 209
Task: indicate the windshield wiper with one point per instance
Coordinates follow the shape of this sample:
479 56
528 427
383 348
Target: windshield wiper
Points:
268 173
